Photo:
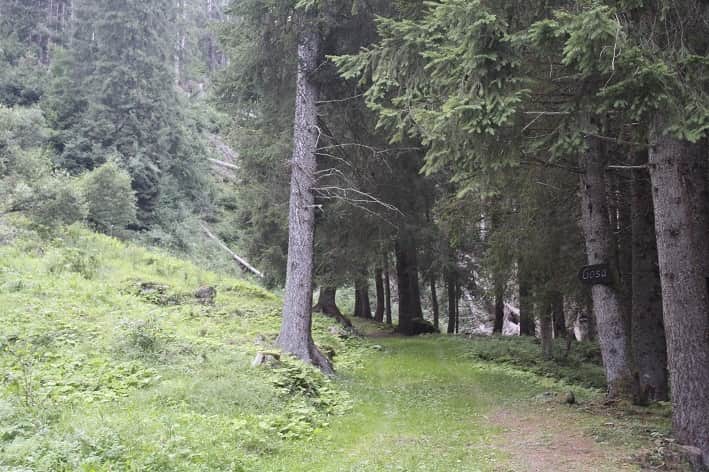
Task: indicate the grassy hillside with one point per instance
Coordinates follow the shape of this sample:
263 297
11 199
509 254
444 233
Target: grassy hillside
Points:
109 362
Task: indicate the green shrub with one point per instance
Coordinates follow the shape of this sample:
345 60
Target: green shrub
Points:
110 198
55 201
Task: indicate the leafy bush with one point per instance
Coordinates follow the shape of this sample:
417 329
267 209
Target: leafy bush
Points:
110 198
142 338
56 201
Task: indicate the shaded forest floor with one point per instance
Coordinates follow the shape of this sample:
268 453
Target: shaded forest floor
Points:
109 362
422 405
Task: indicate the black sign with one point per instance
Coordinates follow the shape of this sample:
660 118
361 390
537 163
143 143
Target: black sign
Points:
596 274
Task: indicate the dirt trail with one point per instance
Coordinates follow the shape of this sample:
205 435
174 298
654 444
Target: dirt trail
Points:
419 405
551 442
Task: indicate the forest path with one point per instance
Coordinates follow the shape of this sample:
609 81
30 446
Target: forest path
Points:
419 405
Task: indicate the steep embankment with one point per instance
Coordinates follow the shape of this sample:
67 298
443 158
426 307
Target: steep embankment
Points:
109 361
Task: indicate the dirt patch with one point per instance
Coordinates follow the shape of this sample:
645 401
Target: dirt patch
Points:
551 441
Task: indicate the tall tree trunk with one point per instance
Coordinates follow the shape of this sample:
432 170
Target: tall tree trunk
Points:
499 308
607 305
546 325
457 306
387 290
625 247
450 286
295 336
526 306
328 306
678 171
557 310
363 308
408 287
434 302
648 332
379 311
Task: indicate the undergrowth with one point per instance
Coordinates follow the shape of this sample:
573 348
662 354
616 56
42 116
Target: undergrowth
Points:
109 362
582 366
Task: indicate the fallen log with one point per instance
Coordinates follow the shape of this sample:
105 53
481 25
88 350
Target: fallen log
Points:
238 259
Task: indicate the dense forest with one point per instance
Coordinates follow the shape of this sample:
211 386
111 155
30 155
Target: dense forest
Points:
477 183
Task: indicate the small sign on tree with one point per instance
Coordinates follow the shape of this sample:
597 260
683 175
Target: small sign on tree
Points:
596 274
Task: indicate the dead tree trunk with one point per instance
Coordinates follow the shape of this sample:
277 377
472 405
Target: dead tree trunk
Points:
327 305
648 332
678 170
607 304
434 302
379 311
295 335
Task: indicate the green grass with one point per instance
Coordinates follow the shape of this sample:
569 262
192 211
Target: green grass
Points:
581 367
99 374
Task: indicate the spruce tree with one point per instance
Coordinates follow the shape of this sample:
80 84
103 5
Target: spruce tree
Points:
114 94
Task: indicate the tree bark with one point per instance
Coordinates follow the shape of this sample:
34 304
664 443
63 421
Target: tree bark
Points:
557 310
328 306
434 302
607 305
647 329
457 306
363 308
409 293
678 171
526 306
546 326
450 286
379 311
387 290
295 335
499 308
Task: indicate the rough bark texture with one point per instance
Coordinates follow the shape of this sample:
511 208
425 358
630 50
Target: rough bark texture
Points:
545 326
457 307
647 329
379 283
557 311
434 303
526 306
607 307
408 288
450 287
328 306
625 247
295 336
499 308
363 308
387 294
679 187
